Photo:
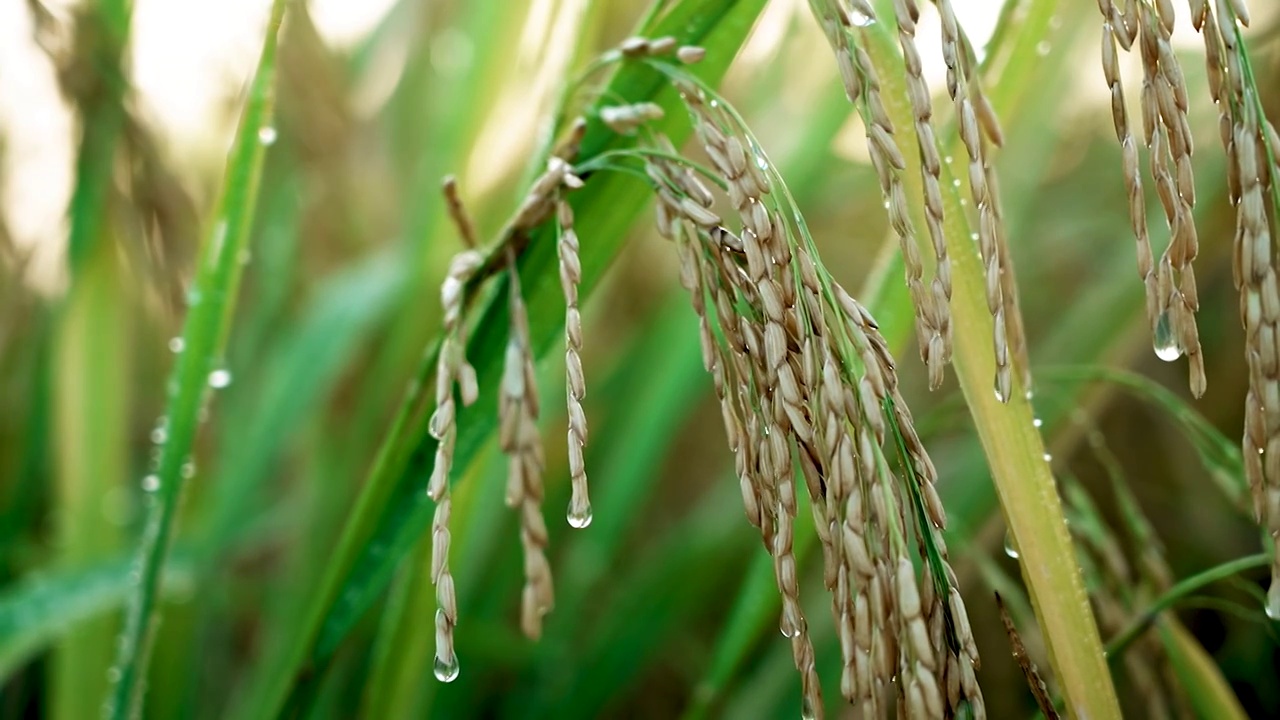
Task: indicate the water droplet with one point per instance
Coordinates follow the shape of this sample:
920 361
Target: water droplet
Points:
113 675
973 237
188 470
1042 48
177 345
1037 422
581 518
806 710
1010 548
1048 457
219 378
999 395
956 182
1273 601
267 135
1165 342
1029 394
151 483
860 19
159 435
446 670
947 159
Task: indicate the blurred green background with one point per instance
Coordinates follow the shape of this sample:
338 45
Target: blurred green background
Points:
662 609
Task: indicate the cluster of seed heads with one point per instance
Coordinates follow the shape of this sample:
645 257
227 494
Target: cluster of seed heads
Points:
1252 146
518 402
978 128
805 380
1171 295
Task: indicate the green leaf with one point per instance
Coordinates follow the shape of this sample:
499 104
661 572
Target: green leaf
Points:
197 369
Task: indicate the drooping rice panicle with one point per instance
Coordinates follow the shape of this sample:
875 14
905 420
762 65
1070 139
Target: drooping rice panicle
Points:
1172 297
518 406
520 440
1008 340
453 369
862 86
804 377
579 513
1252 147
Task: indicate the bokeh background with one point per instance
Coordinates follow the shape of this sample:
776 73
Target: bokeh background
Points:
661 609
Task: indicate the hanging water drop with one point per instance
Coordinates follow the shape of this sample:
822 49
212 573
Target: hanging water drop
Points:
267 135
1037 422
1010 548
999 394
177 345
579 518
446 670
151 483
219 378
1048 457
1165 342
1273 601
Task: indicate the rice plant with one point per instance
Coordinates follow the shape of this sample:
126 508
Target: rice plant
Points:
773 239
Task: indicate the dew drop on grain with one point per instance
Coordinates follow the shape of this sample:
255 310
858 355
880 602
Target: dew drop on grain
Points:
580 519
1165 342
446 670
1010 548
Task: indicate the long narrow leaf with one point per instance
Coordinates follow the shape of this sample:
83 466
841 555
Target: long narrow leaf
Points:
197 370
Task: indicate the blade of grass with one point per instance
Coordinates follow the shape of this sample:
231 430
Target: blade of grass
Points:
1210 694
44 607
196 369
1181 589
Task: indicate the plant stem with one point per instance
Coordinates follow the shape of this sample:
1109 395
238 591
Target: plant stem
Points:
196 370
1012 443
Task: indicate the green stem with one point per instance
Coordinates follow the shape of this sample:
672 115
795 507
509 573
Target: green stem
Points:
204 337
